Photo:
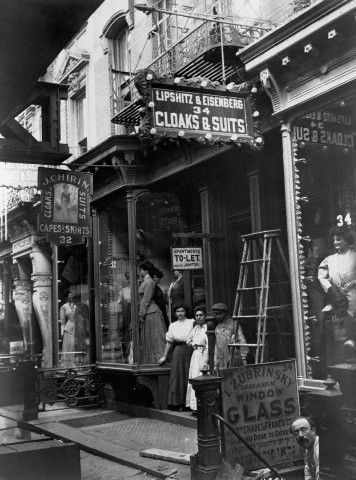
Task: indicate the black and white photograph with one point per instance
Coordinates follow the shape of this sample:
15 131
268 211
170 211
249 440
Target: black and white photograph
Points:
178 240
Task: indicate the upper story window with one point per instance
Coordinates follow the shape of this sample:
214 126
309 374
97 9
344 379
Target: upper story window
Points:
164 28
121 51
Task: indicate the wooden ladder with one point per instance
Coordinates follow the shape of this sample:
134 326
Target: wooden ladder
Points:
253 288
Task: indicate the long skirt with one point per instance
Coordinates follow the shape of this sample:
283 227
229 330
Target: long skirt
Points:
178 380
196 364
154 337
68 346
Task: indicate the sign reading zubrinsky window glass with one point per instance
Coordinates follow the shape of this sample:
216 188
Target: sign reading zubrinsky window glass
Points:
199 112
261 402
65 205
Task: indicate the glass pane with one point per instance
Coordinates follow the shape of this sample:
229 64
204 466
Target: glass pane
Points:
74 313
115 291
326 222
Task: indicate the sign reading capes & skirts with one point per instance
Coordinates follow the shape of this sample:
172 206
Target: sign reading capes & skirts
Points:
65 205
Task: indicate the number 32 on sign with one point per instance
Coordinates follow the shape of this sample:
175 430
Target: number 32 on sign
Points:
189 258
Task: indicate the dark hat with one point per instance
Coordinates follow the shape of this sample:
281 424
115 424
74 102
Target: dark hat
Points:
219 306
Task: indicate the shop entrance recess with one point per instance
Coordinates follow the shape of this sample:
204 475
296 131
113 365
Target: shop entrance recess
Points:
263 294
196 283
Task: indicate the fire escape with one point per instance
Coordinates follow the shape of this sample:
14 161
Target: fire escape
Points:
209 51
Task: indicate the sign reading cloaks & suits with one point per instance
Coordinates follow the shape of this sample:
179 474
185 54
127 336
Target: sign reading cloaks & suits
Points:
65 206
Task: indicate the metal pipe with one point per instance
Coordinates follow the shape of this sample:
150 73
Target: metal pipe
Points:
247 445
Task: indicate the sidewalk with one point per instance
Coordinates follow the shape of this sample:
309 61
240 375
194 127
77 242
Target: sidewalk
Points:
117 437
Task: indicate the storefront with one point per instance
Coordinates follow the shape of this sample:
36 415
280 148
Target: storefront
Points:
307 67
312 89
153 199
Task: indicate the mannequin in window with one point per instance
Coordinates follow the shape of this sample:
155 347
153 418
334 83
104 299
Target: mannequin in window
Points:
176 293
124 302
82 330
337 276
152 326
67 320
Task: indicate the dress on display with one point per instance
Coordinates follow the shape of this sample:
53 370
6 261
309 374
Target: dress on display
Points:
176 295
153 329
124 317
178 334
67 318
199 341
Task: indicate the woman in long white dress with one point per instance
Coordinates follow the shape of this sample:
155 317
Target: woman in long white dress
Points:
176 337
199 341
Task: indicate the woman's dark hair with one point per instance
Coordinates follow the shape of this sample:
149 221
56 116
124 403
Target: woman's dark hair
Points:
344 232
180 306
199 309
156 272
146 265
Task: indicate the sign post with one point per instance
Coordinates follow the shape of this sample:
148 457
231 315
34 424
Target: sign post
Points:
65 206
261 402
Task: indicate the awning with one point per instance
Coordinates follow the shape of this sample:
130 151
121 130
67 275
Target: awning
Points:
33 32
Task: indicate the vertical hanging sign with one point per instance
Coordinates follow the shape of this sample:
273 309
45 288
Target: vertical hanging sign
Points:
65 205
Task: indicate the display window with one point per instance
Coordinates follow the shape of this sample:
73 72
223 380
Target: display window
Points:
325 183
74 312
115 284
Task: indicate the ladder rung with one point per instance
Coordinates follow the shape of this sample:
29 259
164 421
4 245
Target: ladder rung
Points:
279 307
252 288
265 233
249 316
255 260
244 345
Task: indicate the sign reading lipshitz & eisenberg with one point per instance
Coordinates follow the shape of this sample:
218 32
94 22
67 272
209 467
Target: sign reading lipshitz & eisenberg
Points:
65 206
198 112
261 402
194 109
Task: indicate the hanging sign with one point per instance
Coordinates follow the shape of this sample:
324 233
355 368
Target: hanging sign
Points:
187 258
261 402
329 128
65 206
199 112
194 109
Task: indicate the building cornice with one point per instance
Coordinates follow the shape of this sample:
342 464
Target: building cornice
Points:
298 28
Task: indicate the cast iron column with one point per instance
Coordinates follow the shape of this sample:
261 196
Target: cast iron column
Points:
205 464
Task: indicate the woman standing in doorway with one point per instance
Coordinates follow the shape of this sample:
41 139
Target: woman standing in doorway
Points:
176 293
199 341
150 317
177 337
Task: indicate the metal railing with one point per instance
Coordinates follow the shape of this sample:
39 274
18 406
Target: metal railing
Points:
203 38
248 446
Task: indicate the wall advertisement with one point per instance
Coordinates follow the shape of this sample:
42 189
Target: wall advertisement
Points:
261 402
65 206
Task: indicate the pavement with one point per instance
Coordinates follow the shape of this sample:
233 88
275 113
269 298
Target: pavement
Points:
111 442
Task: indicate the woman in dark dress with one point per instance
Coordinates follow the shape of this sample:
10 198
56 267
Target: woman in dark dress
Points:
176 337
158 295
152 326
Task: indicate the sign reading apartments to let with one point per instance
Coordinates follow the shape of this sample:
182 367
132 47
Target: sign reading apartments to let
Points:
189 258
65 206
199 112
261 402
